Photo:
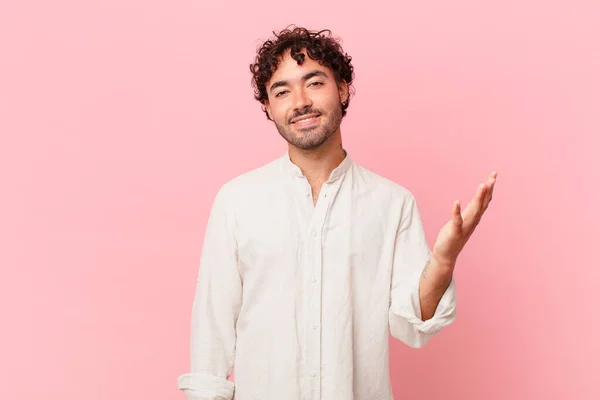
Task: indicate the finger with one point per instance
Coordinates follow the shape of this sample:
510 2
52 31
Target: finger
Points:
489 192
492 181
480 196
477 206
480 201
456 214
474 206
481 191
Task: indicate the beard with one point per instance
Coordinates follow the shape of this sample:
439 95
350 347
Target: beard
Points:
312 137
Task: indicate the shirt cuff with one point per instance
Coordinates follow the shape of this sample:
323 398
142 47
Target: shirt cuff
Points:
444 315
197 386
405 313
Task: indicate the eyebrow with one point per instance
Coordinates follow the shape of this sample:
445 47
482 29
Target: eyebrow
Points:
306 77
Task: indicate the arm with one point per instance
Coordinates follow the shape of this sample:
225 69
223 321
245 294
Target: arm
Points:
435 279
215 309
423 299
437 274
411 255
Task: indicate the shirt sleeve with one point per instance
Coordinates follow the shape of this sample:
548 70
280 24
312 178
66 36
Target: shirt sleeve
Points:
215 309
410 256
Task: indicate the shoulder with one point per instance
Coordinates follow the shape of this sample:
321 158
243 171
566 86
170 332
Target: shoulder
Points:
381 186
252 181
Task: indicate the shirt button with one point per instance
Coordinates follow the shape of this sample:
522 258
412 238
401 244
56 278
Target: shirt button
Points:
314 327
314 280
314 234
314 374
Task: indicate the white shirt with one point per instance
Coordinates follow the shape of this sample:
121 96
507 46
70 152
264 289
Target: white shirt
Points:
300 299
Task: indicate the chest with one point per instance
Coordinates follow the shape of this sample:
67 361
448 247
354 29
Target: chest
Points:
287 231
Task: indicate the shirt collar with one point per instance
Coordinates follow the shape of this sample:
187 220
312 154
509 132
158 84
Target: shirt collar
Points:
338 172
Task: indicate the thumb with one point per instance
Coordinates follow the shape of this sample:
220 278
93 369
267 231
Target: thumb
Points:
456 214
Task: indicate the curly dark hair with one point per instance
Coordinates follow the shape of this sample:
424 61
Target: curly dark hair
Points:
319 45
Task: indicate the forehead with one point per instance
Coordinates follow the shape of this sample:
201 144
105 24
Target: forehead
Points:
289 70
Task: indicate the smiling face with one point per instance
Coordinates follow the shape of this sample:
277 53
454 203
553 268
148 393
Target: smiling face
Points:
305 102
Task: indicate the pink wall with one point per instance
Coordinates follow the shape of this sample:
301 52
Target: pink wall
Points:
117 118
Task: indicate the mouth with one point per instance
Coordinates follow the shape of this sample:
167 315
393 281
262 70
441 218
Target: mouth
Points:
306 120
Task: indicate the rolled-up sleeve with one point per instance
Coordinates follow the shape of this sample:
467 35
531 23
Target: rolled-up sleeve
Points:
215 308
410 256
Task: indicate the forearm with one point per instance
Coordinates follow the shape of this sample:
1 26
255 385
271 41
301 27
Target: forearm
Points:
435 279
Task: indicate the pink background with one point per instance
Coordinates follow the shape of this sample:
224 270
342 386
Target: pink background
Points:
120 120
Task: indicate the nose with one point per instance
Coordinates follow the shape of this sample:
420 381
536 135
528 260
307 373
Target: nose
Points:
301 100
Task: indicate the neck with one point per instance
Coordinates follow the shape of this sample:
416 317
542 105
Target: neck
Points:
317 164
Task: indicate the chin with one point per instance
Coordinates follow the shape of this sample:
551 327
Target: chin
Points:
313 142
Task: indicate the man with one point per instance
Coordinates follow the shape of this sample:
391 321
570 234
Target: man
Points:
311 260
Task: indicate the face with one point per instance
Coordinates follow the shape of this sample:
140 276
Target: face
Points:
305 102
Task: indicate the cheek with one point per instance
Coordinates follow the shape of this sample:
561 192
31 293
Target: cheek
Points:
278 117
329 100
279 114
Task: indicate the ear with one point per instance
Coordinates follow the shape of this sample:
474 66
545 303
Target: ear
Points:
343 89
268 109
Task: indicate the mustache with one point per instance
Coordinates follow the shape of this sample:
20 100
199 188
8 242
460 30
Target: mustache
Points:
298 114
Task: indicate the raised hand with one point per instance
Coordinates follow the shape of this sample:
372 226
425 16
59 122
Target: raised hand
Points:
454 235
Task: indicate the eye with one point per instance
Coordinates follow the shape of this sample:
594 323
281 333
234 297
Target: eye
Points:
316 83
281 93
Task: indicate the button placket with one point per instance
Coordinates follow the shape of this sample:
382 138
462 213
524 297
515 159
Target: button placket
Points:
316 227
314 321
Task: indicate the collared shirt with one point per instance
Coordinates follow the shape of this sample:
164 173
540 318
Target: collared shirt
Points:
299 299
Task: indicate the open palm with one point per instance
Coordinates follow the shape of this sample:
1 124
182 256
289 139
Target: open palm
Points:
454 235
